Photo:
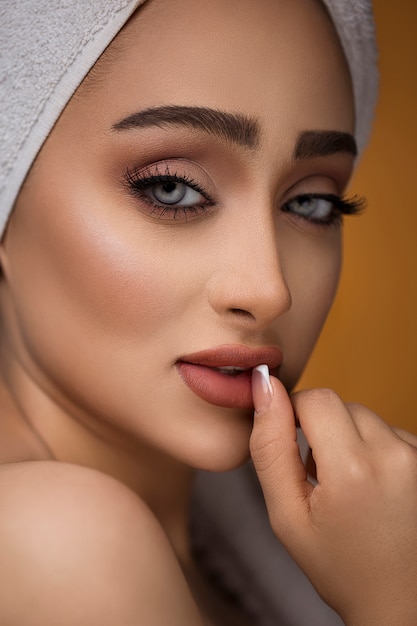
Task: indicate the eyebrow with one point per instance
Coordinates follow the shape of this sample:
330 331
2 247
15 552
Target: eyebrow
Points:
234 127
313 143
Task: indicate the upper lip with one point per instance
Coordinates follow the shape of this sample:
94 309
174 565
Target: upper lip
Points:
235 355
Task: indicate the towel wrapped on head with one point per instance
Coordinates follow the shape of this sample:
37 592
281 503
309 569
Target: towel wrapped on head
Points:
48 46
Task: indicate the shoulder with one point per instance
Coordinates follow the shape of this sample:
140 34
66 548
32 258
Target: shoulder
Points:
83 549
34 491
31 483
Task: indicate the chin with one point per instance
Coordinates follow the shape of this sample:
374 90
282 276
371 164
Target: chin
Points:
222 447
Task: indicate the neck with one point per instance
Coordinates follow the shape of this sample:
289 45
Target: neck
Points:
67 435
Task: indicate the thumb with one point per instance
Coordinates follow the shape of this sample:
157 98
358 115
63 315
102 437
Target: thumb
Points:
276 455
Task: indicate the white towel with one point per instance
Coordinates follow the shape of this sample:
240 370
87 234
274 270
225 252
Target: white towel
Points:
48 46
355 26
46 49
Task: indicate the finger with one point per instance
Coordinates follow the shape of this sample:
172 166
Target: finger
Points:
370 426
327 424
373 429
276 455
406 436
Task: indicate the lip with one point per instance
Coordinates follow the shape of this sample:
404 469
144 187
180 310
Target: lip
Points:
198 372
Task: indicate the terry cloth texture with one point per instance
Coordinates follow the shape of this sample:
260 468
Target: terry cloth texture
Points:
355 26
48 46
46 49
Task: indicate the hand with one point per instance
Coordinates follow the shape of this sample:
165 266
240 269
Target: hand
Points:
354 533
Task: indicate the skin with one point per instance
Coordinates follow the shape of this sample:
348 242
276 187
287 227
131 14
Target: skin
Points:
356 527
100 295
100 298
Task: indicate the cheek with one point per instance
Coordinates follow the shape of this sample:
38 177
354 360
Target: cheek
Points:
102 306
312 270
86 282
67 258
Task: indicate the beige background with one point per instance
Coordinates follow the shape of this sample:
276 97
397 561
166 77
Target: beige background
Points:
368 350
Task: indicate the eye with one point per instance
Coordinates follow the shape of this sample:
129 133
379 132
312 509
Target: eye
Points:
316 208
325 209
170 193
173 192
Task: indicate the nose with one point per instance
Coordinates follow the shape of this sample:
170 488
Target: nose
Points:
249 286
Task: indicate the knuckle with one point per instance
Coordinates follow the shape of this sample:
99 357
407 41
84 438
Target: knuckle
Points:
358 469
316 397
325 394
397 463
405 458
410 438
355 407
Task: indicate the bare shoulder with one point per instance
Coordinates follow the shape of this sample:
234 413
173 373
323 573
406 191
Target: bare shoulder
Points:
79 548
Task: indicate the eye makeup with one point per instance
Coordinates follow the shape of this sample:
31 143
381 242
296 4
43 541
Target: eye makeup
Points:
176 189
323 209
169 191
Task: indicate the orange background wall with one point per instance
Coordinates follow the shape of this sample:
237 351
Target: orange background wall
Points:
368 349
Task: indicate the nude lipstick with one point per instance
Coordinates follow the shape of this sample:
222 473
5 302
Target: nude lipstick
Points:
223 375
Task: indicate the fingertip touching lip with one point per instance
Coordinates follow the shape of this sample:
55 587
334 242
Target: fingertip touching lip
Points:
222 376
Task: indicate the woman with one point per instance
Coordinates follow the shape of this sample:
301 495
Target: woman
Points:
178 233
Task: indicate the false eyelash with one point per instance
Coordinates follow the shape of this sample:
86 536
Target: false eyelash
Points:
138 182
341 206
349 206
345 206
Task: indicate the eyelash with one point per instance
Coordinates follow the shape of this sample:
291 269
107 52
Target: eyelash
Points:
138 182
340 206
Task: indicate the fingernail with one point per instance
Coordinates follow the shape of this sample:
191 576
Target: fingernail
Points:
261 388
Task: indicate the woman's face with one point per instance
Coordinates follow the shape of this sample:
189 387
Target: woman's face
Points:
151 229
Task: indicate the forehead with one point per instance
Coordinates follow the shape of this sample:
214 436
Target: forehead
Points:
271 59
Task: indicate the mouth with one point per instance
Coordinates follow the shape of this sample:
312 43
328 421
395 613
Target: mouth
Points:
222 376
229 370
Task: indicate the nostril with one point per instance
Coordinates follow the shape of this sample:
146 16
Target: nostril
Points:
241 313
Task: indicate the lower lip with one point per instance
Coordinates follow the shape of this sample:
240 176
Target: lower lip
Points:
232 392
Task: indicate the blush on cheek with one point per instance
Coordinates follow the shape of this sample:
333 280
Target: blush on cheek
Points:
110 272
86 289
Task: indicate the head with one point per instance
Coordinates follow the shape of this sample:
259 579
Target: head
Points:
182 202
